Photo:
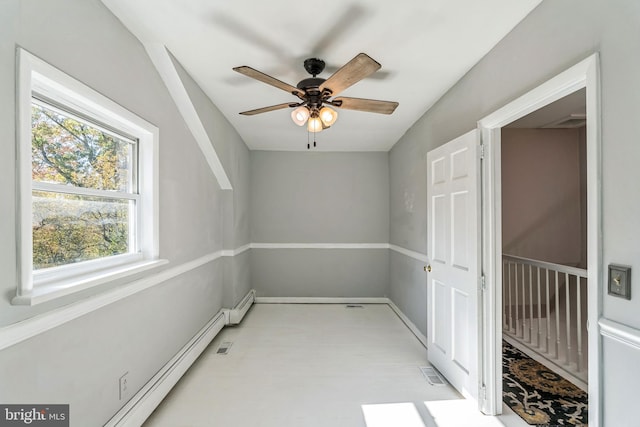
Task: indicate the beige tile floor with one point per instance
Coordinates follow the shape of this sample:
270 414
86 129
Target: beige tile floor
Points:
309 365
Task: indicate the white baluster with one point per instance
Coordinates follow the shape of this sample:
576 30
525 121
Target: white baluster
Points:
515 266
530 284
568 316
504 295
511 327
515 282
524 303
557 317
579 322
539 309
548 301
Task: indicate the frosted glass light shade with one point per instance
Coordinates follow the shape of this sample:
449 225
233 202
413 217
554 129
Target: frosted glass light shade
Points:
328 116
300 115
314 124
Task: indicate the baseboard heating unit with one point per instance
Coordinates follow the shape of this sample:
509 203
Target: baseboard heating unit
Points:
140 406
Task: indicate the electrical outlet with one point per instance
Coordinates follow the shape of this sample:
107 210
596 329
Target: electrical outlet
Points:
124 386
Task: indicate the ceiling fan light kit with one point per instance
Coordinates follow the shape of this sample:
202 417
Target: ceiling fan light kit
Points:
328 116
316 93
300 115
314 125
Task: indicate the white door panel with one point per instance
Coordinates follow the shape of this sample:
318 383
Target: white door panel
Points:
453 209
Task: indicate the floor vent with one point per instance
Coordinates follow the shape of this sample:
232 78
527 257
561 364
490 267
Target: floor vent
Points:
224 348
355 306
432 375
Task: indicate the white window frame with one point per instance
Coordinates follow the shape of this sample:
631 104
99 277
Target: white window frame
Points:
34 287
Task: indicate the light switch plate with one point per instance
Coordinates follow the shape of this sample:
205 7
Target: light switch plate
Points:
620 281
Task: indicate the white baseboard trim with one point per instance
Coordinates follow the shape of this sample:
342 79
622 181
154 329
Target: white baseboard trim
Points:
412 327
619 332
321 300
319 246
138 409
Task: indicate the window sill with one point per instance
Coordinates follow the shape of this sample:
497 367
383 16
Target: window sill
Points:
53 290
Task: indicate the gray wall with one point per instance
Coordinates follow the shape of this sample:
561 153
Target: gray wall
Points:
555 36
319 197
80 362
234 156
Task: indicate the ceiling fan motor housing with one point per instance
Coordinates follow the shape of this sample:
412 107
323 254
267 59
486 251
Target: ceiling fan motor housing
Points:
314 66
311 87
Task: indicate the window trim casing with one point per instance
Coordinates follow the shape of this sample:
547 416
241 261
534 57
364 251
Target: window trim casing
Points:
35 75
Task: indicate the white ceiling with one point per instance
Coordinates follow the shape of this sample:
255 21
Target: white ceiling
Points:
424 46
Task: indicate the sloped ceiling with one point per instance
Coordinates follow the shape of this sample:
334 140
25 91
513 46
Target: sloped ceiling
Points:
424 47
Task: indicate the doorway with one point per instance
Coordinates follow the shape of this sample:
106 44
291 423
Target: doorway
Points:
544 268
544 236
583 76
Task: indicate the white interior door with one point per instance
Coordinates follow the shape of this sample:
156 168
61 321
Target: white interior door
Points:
453 250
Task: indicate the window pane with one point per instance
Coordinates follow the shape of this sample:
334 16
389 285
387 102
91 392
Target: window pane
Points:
70 228
71 152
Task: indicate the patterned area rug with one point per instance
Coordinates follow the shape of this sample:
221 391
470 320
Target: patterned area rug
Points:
540 396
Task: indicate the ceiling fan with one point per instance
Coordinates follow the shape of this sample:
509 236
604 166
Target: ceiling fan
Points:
317 94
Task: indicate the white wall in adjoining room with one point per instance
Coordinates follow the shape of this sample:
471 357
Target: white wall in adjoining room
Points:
541 197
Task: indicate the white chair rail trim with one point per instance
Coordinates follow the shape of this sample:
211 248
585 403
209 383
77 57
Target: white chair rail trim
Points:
619 332
412 254
25 329
399 249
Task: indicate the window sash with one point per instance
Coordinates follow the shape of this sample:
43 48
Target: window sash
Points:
62 109
82 191
44 276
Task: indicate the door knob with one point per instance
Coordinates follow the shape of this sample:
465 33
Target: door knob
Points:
427 268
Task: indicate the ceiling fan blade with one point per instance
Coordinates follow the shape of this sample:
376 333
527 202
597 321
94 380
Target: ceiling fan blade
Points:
267 109
378 75
352 72
368 105
265 78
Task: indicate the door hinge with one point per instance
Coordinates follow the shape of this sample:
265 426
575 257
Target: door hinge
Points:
481 151
483 283
483 392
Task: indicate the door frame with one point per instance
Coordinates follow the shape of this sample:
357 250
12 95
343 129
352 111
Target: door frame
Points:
585 74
